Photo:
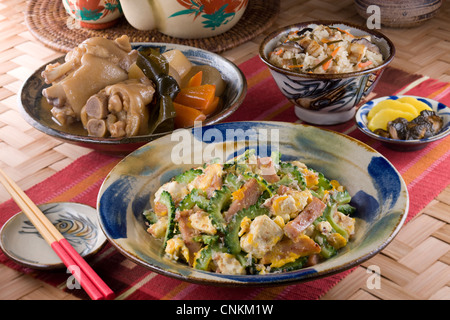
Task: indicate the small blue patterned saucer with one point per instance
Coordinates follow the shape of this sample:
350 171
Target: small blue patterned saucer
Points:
21 242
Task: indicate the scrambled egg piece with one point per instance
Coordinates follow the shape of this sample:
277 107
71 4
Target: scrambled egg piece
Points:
289 205
264 233
201 221
175 247
210 178
177 190
336 240
345 222
245 226
158 229
311 178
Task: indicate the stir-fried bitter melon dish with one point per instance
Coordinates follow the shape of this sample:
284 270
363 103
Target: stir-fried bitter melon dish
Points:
251 215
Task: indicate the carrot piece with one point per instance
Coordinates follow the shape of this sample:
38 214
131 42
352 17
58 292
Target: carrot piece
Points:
186 116
212 106
346 32
335 51
364 64
196 79
327 64
199 97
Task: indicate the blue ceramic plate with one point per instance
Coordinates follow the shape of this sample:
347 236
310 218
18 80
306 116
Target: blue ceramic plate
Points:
379 192
404 145
31 108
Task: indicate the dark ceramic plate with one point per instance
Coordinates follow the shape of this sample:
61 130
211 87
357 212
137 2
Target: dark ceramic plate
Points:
35 114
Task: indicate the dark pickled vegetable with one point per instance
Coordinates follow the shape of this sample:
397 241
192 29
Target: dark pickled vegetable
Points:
426 125
156 68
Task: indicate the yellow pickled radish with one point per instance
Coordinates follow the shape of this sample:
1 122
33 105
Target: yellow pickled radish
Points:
419 105
394 105
382 117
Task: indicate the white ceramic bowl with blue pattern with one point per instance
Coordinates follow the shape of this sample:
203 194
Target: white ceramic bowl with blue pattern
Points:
326 99
404 145
21 242
377 189
35 114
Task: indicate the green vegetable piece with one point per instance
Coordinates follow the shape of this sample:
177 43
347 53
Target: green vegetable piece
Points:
326 249
232 182
195 197
276 157
232 233
346 209
218 203
341 197
288 169
187 176
207 239
285 181
150 216
166 199
328 214
203 258
323 182
294 265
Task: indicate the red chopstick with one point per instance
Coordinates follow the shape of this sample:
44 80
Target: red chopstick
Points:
94 286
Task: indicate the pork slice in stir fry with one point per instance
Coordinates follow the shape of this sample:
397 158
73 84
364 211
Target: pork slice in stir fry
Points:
94 64
119 110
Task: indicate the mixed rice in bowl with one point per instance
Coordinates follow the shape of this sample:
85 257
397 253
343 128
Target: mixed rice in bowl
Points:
325 49
325 68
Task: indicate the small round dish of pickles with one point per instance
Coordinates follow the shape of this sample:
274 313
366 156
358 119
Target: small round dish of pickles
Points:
404 122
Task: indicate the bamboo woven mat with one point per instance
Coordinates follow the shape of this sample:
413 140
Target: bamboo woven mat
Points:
49 22
416 264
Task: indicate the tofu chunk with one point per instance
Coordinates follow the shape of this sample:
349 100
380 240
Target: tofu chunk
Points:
201 222
227 264
288 205
263 235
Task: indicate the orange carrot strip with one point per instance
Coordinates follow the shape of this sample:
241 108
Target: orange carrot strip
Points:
199 97
364 64
278 52
196 80
186 116
346 32
327 64
335 51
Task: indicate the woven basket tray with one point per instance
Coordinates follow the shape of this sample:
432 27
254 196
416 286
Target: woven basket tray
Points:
48 21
